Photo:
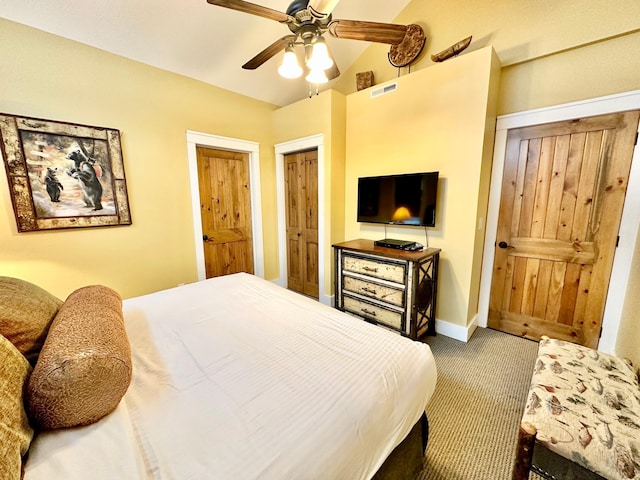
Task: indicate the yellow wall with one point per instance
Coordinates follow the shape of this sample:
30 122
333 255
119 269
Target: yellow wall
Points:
45 76
628 344
323 114
595 70
524 34
437 120
551 52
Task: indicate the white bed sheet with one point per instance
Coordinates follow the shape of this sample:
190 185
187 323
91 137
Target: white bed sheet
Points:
237 378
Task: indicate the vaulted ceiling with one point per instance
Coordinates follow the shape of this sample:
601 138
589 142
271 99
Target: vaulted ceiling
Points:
195 39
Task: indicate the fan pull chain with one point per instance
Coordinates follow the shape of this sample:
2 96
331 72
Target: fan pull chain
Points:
311 90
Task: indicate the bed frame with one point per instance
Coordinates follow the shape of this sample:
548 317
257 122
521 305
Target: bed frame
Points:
407 459
186 358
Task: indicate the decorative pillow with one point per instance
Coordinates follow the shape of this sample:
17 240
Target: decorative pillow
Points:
26 311
84 367
15 432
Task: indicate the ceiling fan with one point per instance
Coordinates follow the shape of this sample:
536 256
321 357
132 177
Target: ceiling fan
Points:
308 20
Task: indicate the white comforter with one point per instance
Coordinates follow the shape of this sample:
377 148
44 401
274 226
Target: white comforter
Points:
237 378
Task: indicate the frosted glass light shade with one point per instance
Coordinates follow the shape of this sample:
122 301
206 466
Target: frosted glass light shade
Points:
317 75
290 67
320 58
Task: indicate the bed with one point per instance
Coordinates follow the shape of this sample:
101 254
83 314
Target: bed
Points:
238 378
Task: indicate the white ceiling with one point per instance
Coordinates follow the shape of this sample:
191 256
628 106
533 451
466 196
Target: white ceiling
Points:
193 38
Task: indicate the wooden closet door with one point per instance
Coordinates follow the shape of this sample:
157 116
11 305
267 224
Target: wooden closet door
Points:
301 193
563 191
225 210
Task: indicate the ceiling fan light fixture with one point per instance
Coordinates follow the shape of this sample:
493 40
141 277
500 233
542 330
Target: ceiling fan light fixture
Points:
317 76
320 58
290 67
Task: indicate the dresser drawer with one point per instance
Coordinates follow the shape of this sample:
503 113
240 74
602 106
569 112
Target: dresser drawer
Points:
384 293
378 314
387 287
394 272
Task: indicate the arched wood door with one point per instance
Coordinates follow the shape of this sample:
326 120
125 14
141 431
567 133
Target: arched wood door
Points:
563 190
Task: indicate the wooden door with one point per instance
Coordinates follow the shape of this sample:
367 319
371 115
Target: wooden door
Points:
301 193
225 210
563 190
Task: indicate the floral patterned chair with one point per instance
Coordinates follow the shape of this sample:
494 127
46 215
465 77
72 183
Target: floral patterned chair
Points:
582 417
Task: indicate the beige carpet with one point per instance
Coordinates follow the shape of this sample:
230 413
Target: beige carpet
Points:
475 411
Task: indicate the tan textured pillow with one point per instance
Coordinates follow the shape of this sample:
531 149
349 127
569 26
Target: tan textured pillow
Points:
15 432
84 367
26 311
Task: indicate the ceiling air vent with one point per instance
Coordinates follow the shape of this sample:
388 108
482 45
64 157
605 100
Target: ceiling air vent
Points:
391 87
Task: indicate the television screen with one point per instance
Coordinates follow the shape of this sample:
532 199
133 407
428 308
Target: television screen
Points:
408 199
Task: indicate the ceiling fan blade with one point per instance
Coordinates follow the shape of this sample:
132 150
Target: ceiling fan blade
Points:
369 31
253 9
322 8
269 52
333 71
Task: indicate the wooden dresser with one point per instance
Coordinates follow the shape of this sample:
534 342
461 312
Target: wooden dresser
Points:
389 287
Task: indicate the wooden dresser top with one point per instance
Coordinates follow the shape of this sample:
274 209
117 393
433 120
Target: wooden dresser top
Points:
367 246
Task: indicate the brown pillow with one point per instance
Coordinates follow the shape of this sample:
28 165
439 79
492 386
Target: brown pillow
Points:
15 432
26 311
84 367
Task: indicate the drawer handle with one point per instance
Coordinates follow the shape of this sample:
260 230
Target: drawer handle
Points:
368 312
369 290
369 269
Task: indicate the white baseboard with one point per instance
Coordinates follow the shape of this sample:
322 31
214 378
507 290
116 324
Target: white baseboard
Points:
457 332
327 300
278 281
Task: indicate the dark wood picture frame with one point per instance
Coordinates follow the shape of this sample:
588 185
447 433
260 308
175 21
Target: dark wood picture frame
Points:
63 175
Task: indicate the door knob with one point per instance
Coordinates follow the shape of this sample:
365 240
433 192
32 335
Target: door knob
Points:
504 244
205 237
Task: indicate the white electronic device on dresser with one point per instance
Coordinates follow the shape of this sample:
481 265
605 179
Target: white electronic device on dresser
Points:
390 287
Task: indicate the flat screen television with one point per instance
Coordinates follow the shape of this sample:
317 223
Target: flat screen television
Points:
408 199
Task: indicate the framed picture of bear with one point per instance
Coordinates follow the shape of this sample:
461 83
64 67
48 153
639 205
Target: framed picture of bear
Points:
63 175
